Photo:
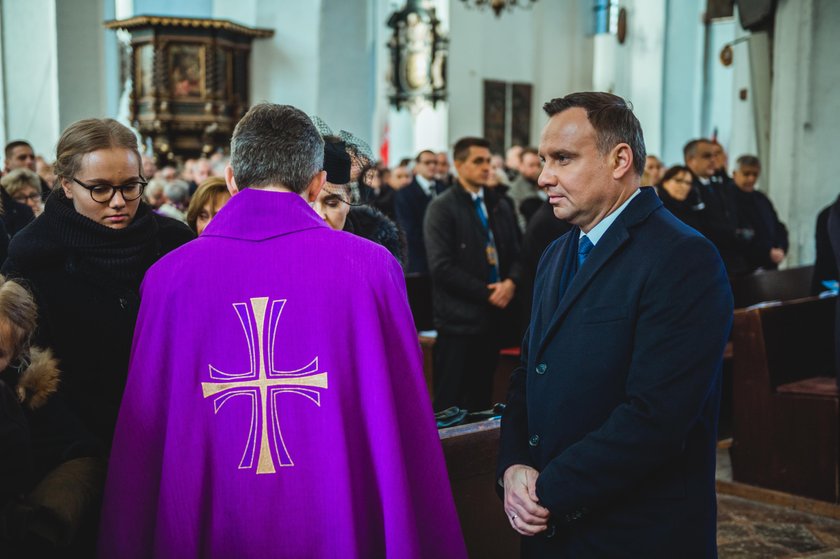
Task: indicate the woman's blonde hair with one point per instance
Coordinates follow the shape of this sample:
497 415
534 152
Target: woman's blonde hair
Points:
19 311
19 179
205 192
89 135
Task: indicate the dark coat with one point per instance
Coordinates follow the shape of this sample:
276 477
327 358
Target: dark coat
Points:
15 216
757 214
616 400
371 224
689 211
833 227
410 205
22 393
384 201
4 242
719 223
456 245
825 266
86 318
542 230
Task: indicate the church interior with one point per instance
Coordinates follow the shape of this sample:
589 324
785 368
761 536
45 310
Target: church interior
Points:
746 88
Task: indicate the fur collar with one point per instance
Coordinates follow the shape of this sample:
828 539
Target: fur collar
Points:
39 381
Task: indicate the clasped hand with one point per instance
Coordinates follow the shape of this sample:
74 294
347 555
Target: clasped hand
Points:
522 507
501 293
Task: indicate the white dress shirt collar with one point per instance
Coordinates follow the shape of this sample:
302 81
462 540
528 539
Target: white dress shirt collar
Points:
598 231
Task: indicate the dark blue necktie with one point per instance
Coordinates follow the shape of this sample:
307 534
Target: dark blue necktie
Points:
490 247
585 246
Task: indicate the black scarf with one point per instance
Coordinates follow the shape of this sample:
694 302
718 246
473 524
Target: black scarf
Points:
106 255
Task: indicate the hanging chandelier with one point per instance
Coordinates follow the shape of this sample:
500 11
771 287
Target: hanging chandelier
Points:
498 6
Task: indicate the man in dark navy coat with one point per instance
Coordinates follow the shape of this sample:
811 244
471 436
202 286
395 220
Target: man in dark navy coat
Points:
608 441
410 207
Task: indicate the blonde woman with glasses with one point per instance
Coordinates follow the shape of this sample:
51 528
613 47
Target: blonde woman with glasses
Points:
84 259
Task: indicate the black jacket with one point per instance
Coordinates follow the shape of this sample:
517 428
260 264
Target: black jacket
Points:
456 247
825 266
371 224
86 314
410 205
719 223
15 216
757 214
384 202
543 228
689 211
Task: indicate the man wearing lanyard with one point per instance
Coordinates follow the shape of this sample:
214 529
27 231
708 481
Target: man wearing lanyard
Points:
472 244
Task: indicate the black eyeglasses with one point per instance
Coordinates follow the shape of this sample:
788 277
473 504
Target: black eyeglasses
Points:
104 193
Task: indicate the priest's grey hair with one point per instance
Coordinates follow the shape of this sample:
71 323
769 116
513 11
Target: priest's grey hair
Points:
276 145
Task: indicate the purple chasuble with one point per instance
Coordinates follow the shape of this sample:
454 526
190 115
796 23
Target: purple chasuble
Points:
275 404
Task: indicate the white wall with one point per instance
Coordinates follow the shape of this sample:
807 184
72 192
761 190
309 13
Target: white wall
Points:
564 55
743 135
805 117
30 73
347 68
634 70
284 68
3 139
186 8
718 95
545 46
682 100
81 56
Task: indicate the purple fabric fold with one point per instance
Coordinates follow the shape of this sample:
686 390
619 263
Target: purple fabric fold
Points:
275 404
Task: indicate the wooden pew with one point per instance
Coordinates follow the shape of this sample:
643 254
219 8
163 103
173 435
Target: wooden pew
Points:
508 361
785 399
471 453
419 288
774 285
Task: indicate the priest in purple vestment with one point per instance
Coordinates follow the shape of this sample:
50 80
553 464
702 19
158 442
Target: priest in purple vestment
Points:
275 404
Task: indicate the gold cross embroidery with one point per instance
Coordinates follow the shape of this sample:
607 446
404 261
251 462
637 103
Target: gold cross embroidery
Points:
262 384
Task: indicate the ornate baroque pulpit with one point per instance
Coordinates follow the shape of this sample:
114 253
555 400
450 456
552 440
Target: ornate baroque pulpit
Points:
189 81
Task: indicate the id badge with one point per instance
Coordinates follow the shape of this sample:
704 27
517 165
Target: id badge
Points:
492 257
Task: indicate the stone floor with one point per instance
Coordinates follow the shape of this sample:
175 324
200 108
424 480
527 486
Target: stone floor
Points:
752 530
748 530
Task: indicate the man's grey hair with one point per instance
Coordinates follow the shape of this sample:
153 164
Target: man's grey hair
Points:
177 191
276 145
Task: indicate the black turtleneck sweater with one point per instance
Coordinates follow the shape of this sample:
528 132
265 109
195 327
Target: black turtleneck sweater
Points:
86 279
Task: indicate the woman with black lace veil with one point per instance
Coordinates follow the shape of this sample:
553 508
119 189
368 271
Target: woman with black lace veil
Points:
84 259
345 201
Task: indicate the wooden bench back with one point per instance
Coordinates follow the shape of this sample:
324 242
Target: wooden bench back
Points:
786 439
796 337
419 289
776 285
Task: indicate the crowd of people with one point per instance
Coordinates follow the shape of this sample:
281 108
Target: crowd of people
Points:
78 236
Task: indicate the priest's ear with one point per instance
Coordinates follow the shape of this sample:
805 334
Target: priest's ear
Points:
230 181
314 187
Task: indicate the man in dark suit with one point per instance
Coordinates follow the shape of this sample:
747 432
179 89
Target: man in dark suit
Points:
410 207
19 155
473 244
608 440
719 216
769 244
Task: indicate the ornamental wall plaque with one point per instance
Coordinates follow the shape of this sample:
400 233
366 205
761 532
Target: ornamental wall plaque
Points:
189 81
417 73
